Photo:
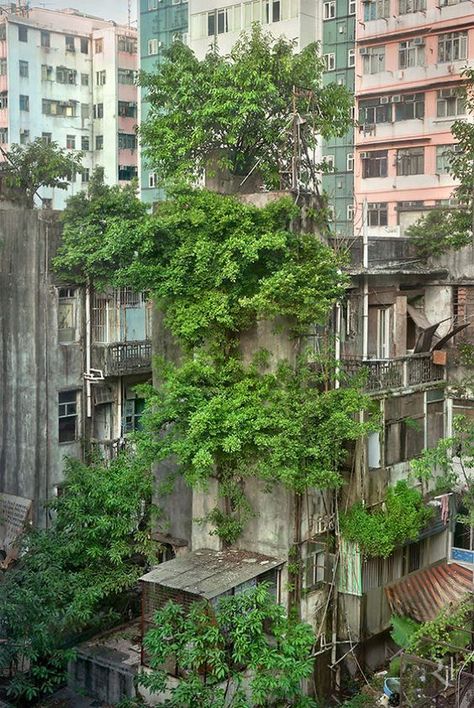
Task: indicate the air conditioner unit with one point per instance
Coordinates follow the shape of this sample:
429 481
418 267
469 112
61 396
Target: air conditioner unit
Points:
364 155
396 99
447 93
384 100
418 42
363 50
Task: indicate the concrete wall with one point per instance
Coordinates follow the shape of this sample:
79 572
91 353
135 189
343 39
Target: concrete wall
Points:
34 368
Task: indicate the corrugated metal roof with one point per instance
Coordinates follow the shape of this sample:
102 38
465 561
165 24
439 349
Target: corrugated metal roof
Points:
209 573
422 594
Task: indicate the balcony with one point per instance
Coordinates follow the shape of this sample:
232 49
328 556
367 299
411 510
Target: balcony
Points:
397 373
121 358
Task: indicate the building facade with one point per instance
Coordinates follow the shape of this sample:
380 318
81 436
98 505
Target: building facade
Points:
409 61
70 78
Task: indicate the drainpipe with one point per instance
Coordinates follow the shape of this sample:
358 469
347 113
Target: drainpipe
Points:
365 264
88 352
337 352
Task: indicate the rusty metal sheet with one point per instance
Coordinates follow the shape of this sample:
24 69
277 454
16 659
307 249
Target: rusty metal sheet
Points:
422 594
15 513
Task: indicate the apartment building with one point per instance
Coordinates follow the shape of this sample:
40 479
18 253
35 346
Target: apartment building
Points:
70 78
409 61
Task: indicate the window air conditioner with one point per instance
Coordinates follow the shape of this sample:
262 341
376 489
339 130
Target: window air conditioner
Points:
364 155
384 100
396 99
418 42
363 50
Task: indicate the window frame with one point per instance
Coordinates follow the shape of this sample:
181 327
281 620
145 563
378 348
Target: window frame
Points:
68 410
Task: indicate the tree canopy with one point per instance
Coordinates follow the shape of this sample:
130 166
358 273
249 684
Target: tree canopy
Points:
239 107
40 164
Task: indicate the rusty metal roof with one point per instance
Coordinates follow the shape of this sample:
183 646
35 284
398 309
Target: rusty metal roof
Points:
208 573
422 594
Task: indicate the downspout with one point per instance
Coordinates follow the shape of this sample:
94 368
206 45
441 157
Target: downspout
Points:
365 265
88 352
337 345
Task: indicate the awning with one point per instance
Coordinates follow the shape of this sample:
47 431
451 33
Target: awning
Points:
452 333
426 329
423 594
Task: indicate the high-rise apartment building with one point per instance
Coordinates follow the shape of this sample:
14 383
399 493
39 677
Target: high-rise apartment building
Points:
409 61
70 78
338 37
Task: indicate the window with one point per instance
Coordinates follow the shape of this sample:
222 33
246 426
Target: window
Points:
127 109
59 108
24 69
70 43
352 7
71 142
65 75
99 110
315 565
351 57
47 138
66 315
329 162
3 67
409 106
153 46
444 154
22 33
127 141
127 44
376 10
373 59
3 99
350 162
452 46
84 45
84 79
126 76
99 46
450 103
24 137
374 164
350 212
46 72
407 6
86 173
375 110
24 103
85 111
99 142
133 410
329 10
411 161
45 39
67 416
85 143
411 53
127 172
152 181
100 77
377 214
3 135
330 61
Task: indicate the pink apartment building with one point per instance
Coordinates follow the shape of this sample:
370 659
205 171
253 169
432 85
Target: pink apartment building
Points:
409 60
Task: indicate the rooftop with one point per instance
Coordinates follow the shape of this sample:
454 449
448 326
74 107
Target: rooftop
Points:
209 573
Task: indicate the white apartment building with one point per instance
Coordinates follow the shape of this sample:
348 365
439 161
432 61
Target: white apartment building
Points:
70 78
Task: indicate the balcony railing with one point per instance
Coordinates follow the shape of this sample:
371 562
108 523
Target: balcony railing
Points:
122 358
399 372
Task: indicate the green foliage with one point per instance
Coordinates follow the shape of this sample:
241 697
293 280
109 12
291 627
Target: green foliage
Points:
40 164
75 575
214 264
361 700
247 634
238 108
379 531
96 226
403 629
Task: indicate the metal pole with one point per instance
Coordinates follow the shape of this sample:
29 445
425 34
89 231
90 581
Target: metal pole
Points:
365 264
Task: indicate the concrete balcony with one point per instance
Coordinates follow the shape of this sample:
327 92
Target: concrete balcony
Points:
406 372
121 358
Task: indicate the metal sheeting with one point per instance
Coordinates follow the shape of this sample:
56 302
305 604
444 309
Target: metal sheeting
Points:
422 594
209 573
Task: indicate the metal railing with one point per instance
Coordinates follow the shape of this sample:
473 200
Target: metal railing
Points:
399 372
122 357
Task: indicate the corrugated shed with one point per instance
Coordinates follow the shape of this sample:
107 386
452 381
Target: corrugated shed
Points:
422 594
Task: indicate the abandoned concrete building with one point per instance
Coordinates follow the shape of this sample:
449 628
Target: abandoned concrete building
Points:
70 360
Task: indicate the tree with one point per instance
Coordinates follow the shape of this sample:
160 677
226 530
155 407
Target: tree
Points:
451 228
240 107
76 575
247 639
39 164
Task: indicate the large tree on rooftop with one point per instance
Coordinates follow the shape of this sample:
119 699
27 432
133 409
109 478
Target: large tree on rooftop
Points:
240 106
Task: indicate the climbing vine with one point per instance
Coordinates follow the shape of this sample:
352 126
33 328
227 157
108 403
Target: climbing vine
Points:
379 531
